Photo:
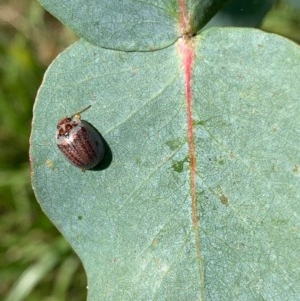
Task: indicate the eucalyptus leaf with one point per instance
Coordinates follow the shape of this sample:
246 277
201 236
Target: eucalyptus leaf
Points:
131 221
129 24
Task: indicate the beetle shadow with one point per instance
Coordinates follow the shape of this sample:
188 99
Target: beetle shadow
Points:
107 159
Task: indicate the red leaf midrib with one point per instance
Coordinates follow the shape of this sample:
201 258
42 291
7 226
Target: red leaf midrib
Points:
187 51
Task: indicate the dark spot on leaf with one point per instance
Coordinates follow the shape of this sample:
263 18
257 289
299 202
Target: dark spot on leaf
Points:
296 169
199 122
280 222
221 161
174 144
79 217
178 165
224 199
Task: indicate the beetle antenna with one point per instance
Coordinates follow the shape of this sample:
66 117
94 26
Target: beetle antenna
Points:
81 111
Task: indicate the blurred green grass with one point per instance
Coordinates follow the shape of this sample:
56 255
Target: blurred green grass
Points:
36 262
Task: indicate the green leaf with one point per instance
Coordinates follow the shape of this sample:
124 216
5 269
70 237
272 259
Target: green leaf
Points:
132 25
133 223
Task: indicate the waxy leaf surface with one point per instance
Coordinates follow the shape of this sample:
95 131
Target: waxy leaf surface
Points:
132 221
